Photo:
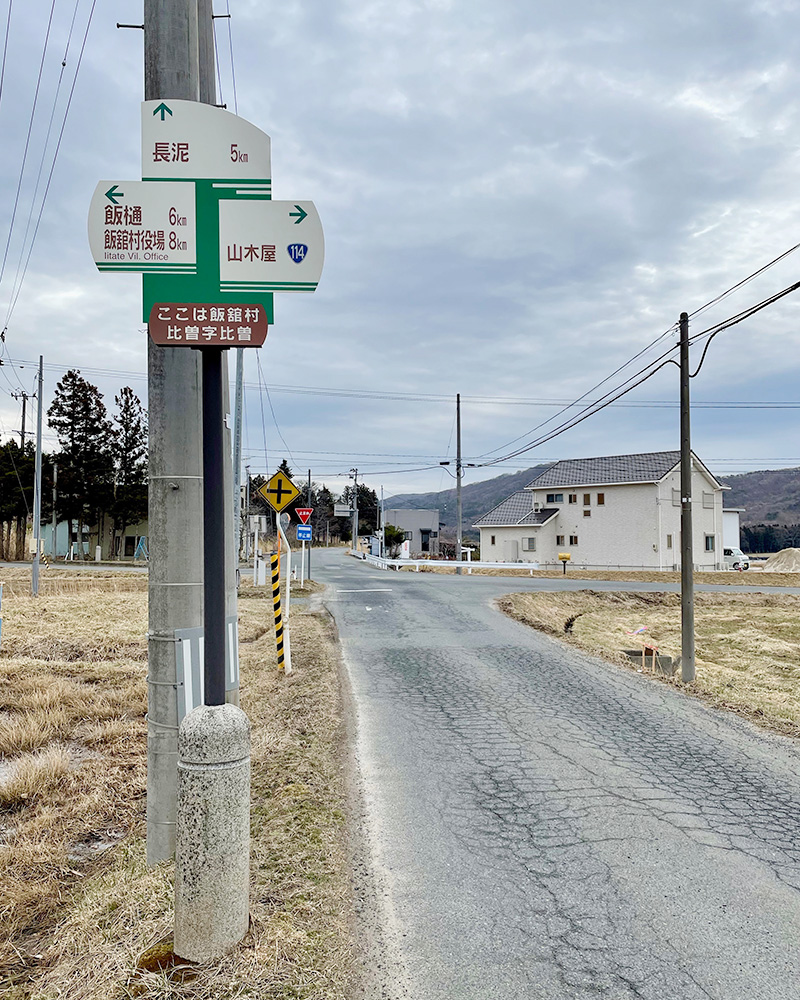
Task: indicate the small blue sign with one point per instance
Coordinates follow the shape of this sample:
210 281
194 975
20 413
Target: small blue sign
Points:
303 532
297 251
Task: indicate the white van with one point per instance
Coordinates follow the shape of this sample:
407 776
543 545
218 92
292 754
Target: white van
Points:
736 559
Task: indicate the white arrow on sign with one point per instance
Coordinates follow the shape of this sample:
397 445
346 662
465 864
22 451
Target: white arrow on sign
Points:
192 140
270 246
144 227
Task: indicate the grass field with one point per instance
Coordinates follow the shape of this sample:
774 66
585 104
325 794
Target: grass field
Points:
81 916
726 579
747 645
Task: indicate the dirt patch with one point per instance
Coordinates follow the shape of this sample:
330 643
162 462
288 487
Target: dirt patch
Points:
747 645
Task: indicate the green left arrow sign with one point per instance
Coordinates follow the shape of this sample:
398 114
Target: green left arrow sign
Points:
112 194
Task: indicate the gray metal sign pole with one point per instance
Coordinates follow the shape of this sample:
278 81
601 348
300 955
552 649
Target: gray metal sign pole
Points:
687 556
176 474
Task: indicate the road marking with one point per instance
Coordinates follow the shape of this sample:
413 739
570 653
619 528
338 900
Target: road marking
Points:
377 590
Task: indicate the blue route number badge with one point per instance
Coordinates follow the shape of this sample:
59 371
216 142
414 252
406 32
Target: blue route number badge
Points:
297 251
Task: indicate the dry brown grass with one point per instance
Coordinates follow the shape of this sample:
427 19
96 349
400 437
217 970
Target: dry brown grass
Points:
81 916
728 579
747 645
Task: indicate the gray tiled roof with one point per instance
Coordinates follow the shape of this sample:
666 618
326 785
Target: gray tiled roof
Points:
649 467
516 509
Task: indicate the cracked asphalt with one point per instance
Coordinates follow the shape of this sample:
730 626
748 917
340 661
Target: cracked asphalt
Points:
541 824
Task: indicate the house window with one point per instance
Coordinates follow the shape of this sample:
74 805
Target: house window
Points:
587 513
669 541
601 499
587 499
130 546
492 541
528 544
573 539
709 543
708 501
408 535
559 539
555 498
573 498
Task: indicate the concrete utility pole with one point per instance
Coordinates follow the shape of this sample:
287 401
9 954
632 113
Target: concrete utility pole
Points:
458 483
171 61
37 490
687 557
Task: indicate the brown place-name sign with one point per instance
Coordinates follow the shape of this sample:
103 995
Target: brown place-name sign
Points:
188 324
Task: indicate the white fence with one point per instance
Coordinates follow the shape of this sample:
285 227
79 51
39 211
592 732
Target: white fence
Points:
572 567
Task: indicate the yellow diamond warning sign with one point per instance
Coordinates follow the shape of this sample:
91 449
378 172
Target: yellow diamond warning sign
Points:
279 491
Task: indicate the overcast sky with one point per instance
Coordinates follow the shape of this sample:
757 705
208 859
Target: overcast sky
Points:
517 197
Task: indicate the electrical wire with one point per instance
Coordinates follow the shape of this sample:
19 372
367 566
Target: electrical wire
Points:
744 281
272 408
27 139
44 152
646 374
53 164
5 49
216 59
233 69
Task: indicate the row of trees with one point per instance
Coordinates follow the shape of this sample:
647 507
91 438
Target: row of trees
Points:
770 537
101 467
101 463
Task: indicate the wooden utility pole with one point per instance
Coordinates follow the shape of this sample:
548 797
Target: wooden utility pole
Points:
687 556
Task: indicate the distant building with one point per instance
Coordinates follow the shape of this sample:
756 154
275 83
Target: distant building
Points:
731 531
421 529
613 511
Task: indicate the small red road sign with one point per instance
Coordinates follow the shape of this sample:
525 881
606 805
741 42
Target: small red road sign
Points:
304 513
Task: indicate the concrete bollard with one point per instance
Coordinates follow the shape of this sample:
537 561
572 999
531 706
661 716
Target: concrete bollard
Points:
212 852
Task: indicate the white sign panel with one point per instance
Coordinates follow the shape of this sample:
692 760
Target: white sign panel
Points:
270 246
192 140
143 227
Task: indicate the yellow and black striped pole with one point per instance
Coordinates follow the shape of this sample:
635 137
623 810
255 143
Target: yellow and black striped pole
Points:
276 603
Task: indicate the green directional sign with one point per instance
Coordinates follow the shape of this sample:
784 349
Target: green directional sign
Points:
201 226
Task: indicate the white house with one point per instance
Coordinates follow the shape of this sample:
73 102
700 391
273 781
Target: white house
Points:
614 511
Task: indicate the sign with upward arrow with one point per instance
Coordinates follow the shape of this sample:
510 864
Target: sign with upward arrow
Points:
201 224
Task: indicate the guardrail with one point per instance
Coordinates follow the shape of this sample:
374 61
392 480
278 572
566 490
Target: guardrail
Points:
572 567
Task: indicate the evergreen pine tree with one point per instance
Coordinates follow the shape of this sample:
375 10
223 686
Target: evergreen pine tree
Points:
85 464
130 462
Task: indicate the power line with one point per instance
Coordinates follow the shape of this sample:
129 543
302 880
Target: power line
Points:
5 49
27 139
44 153
53 164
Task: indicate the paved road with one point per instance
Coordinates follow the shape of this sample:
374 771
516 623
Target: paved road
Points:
545 825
